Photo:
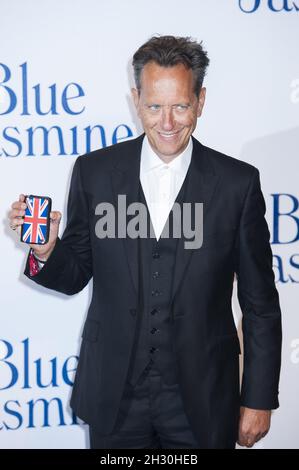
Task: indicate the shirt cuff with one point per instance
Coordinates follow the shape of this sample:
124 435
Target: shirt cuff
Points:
34 265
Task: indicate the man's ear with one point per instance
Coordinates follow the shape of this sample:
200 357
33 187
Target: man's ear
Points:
135 96
201 101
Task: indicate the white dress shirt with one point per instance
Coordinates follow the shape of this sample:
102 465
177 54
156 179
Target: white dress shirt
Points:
161 182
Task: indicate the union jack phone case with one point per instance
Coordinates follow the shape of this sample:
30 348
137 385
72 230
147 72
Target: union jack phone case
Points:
36 226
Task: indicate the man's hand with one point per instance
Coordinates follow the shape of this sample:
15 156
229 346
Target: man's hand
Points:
16 220
253 425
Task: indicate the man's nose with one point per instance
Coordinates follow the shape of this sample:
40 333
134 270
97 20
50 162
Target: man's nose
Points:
167 119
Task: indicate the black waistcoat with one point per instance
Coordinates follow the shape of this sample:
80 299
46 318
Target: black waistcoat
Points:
154 347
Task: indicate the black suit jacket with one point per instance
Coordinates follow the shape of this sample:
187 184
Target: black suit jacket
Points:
235 241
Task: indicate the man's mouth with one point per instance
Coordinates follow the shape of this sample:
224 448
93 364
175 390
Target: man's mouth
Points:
168 135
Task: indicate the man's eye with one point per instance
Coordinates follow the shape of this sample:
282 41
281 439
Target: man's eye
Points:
181 107
154 107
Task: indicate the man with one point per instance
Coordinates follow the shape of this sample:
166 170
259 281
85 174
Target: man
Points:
159 360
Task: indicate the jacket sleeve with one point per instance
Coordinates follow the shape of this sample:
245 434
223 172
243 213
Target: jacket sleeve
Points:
259 302
69 267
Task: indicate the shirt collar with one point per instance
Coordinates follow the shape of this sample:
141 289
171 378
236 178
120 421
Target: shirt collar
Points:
151 161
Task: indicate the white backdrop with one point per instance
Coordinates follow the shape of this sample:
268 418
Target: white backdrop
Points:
67 64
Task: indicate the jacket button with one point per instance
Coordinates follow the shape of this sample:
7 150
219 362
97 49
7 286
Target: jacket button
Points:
133 311
154 311
154 330
152 350
156 292
156 255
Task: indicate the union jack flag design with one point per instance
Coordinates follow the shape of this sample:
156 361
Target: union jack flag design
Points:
35 220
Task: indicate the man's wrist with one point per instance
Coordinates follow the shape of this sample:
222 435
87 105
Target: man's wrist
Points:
40 259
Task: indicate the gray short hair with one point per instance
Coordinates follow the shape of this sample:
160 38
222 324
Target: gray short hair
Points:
168 51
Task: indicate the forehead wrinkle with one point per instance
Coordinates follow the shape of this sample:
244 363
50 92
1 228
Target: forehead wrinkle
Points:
167 92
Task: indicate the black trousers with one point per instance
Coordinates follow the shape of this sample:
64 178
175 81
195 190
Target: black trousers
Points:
151 416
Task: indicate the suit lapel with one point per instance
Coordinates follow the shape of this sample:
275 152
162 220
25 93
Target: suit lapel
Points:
201 185
125 180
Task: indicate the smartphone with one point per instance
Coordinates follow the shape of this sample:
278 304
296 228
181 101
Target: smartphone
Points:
36 227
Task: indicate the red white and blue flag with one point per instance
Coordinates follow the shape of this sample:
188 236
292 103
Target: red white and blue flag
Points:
35 220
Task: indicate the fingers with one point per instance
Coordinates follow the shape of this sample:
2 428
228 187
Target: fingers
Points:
16 222
18 205
17 213
248 440
55 217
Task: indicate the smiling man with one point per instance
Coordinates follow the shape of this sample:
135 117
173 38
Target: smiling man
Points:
159 360
168 107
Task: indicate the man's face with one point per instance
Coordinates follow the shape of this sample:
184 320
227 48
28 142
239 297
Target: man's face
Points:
168 107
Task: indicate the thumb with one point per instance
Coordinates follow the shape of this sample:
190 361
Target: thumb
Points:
55 217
